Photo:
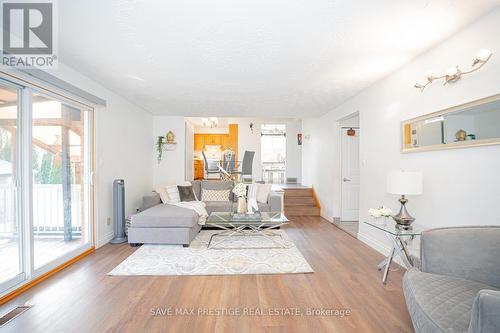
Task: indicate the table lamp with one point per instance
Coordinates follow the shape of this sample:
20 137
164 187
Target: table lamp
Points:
404 183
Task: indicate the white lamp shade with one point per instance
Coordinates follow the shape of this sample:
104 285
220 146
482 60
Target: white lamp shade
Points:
404 182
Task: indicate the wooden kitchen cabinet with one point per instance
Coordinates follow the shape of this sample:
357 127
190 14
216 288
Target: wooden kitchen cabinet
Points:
213 139
199 171
199 142
225 141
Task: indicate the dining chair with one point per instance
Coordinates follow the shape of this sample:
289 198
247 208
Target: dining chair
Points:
246 172
212 168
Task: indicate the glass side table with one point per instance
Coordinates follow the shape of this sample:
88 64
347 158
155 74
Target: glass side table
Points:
399 239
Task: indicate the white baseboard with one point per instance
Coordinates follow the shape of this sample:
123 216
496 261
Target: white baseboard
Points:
324 215
378 246
375 244
105 239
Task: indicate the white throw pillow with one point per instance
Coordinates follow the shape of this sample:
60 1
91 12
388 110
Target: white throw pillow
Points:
173 194
161 190
263 191
170 193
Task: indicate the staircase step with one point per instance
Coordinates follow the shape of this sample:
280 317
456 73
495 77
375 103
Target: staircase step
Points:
298 192
292 201
301 210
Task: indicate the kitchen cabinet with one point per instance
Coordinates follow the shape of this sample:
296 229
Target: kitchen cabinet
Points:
213 139
199 171
199 142
225 141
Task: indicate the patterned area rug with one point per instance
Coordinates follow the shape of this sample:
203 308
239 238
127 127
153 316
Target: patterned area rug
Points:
152 259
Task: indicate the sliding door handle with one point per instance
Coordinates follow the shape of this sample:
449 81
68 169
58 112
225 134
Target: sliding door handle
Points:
346 180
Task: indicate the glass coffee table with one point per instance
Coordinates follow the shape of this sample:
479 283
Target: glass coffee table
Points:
399 238
259 224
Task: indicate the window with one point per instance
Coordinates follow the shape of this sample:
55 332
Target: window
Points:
273 153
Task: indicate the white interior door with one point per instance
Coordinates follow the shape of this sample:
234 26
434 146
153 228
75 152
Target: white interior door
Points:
350 176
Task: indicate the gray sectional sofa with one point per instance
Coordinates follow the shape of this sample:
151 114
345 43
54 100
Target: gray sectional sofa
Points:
458 286
160 223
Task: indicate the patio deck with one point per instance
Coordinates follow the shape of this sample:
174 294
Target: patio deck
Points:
47 248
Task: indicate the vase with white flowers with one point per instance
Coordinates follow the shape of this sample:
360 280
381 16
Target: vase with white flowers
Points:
380 213
240 190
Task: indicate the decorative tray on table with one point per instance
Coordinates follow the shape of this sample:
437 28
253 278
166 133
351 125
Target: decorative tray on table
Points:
246 216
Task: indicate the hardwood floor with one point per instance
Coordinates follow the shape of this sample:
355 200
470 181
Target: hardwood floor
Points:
82 298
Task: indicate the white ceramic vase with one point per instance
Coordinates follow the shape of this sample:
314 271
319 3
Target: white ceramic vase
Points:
242 205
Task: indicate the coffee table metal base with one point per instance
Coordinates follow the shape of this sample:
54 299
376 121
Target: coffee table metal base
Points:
262 230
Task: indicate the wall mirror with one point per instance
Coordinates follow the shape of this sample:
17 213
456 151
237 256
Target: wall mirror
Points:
468 125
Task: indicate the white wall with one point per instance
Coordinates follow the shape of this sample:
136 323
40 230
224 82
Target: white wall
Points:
123 149
351 121
189 153
172 168
251 141
461 187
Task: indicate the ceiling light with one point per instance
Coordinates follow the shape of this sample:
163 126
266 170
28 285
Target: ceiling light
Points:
482 56
454 73
429 75
210 122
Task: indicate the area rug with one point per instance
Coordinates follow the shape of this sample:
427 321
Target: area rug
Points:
233 259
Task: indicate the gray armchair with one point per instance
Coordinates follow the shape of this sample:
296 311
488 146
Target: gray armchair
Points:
457 288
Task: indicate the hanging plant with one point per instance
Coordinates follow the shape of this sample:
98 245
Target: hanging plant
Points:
166 142
159 148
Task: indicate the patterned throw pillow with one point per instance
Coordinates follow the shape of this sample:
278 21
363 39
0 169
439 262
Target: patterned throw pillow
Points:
214 195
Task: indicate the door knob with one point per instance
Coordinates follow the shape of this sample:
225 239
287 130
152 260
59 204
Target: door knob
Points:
347 180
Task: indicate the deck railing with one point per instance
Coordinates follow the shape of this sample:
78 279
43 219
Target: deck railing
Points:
48 216
273 172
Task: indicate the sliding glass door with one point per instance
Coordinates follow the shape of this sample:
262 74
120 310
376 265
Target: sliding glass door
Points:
60 178
11 240
45 182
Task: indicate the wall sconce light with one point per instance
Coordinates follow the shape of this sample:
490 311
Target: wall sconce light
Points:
454 74
251 127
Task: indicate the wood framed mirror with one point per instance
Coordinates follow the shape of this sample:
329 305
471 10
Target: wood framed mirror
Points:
472 124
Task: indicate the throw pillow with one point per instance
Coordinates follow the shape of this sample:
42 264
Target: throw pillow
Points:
263 191
186 193
162 192
173 194
214 195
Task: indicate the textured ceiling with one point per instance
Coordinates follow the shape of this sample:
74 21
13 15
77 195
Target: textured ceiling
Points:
273 58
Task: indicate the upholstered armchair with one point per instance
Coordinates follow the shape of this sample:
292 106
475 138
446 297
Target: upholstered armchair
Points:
457 288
